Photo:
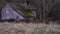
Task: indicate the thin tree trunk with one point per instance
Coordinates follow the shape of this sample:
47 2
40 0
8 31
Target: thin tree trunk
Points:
45 19
0 15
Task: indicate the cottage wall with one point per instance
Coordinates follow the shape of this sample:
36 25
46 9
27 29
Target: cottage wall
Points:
9 13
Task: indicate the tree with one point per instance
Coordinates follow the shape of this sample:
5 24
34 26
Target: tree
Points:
26 13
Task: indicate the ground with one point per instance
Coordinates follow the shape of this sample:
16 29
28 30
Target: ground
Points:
28 28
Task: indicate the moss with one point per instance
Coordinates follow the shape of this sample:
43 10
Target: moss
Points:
3 32
56 27
38 29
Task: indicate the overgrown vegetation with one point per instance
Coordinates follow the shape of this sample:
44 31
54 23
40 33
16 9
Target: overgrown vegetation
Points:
31 28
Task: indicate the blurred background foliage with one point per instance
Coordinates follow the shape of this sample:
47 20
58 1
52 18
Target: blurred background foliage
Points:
50 8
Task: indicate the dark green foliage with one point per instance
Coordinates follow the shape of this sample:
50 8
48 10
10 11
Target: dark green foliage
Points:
16 1
55 12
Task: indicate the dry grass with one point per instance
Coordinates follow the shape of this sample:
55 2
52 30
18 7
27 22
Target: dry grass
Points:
28 28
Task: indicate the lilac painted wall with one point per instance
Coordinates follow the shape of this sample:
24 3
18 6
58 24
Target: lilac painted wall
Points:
8 13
